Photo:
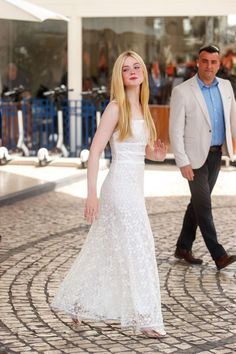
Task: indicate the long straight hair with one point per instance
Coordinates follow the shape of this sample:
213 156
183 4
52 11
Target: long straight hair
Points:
119 95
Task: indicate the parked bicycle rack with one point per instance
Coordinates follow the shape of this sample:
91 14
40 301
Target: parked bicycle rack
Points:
45 123
12 108
98 98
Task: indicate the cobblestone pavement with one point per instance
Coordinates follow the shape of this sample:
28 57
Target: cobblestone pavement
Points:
42 235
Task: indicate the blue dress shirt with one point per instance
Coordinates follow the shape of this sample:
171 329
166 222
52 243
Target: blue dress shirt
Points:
214 104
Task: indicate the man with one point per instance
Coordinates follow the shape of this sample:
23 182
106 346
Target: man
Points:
202 122
13 79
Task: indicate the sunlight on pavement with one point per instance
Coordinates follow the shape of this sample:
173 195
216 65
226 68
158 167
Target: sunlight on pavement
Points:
161 181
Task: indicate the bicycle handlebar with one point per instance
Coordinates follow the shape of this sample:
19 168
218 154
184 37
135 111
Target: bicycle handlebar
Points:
95 91
59 90
16 91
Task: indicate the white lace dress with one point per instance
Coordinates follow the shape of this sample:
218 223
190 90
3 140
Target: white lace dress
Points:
115 275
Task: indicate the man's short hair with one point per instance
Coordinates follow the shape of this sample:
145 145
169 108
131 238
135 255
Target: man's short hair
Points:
210 48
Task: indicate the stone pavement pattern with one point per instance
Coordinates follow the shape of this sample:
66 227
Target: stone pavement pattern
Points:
42 235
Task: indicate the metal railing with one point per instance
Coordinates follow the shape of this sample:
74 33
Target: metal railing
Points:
40 126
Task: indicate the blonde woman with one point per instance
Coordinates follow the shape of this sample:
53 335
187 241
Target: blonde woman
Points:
115 275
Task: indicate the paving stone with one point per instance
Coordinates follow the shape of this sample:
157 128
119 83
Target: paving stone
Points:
198 301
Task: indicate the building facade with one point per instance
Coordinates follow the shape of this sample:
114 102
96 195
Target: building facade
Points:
81 53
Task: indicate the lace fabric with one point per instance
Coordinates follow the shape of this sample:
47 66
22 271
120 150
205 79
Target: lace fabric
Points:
115 275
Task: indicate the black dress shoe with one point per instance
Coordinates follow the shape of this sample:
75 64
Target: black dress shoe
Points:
224 261
181 253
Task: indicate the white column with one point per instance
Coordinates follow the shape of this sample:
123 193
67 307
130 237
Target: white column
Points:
75 76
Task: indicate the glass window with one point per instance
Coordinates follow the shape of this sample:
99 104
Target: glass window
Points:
169 46
32 54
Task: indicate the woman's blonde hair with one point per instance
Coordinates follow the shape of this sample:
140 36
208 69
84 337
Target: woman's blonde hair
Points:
118 94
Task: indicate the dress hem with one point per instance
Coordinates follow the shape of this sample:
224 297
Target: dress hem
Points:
95 318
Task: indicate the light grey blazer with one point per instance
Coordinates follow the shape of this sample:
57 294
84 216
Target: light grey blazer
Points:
190 124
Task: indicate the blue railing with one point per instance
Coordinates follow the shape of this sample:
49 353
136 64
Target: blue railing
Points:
40 124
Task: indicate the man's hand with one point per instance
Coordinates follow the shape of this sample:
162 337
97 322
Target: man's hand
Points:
187 172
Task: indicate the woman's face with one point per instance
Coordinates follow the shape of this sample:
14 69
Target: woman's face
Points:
132 72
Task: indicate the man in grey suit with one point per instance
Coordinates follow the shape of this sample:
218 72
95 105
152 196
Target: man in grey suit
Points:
202 124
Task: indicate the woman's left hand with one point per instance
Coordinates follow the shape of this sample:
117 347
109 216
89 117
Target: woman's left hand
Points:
160 150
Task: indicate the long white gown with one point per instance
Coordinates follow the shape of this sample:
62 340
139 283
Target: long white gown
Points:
115 275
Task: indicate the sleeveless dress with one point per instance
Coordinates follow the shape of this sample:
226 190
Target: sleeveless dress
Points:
115 275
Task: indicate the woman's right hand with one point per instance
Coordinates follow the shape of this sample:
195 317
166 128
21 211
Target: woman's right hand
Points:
91 209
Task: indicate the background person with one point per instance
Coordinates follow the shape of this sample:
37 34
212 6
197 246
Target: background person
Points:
115 275
12 79
202 120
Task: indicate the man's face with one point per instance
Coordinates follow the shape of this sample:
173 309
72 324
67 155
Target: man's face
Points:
12 72
208 65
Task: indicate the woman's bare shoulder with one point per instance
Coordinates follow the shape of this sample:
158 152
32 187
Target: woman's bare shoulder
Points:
113 106
112 110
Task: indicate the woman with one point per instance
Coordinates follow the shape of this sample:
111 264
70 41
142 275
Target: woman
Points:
115 275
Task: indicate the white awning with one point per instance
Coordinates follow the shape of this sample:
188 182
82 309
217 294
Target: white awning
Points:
144 8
